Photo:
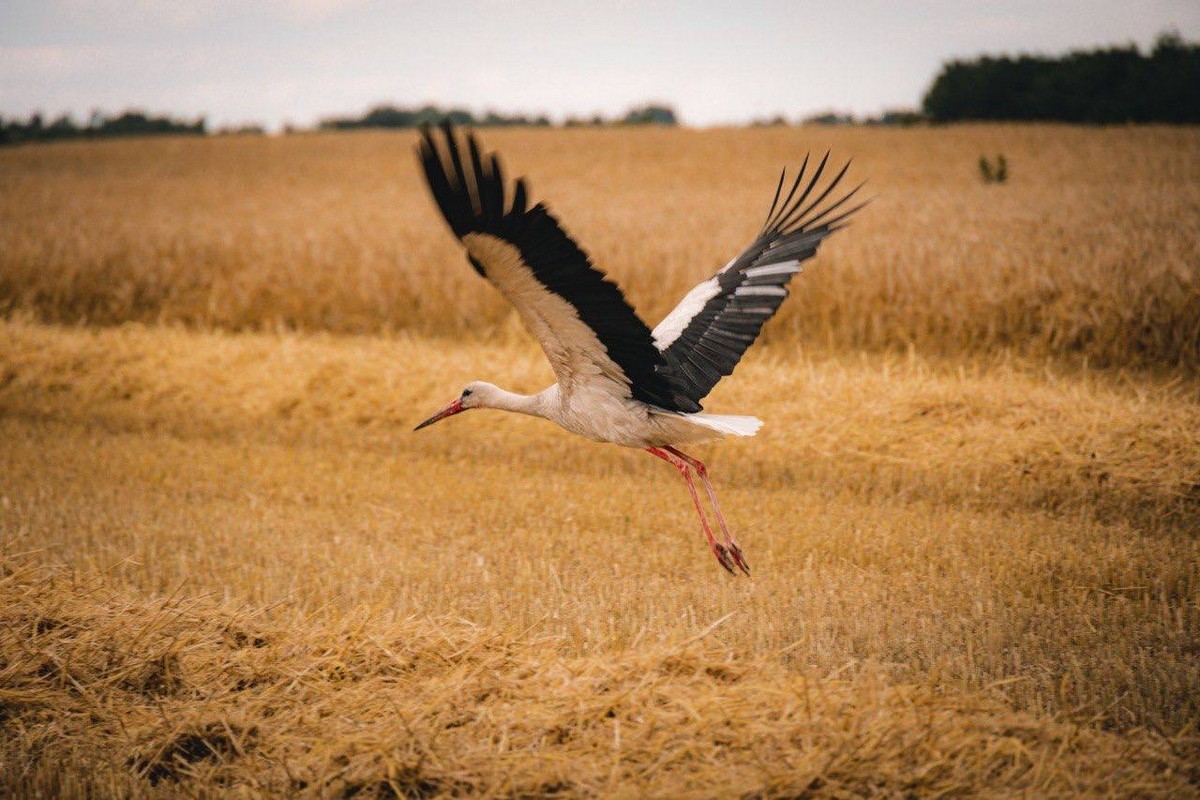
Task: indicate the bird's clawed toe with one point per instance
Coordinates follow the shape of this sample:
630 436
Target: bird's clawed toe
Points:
723 557
738 558
730 557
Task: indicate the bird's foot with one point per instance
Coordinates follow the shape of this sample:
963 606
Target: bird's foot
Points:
723 557
736 553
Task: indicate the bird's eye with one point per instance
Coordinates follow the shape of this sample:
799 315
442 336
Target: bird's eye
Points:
466 393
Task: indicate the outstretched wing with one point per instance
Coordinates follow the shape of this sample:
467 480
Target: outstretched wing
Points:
704 337
584 324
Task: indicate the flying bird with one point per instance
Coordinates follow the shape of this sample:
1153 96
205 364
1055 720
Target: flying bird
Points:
619 381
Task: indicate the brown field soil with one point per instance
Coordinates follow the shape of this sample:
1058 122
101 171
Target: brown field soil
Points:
227 566
1090 251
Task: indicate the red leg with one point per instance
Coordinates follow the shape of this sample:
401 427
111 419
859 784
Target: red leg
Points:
702 471
680 464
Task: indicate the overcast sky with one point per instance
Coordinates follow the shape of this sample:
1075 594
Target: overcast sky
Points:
274 61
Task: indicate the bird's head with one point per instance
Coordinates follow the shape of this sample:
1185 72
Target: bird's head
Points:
476 394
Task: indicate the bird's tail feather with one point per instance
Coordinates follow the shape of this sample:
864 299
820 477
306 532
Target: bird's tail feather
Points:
728 424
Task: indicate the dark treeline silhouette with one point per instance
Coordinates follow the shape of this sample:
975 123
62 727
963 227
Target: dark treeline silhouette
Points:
134 123
895 117
651 114
394 117
1112 85
130 123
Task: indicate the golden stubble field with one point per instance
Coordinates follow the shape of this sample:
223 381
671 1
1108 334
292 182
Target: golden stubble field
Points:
1091 250
228 566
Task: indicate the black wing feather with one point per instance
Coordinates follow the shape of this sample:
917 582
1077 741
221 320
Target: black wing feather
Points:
718 334
472 201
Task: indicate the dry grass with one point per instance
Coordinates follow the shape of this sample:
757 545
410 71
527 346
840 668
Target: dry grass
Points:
115 695
1091 250
227 566
970 577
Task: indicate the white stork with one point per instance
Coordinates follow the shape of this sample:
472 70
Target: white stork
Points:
618 381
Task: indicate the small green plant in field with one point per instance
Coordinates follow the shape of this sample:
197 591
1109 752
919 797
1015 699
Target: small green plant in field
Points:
993 174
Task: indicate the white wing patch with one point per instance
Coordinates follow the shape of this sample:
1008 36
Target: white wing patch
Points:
761 291
784 268
692 303
674 324
575 353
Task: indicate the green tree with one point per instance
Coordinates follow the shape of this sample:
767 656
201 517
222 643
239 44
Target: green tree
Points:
1110 85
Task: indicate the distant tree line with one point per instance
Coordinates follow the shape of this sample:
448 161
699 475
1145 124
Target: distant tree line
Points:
1112 85
138 123
396 117
649 115
652 114
895 117
130 123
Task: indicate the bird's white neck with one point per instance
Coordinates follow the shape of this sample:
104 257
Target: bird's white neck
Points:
532 404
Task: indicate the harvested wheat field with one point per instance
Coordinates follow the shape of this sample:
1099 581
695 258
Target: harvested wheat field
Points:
1090 250
227 565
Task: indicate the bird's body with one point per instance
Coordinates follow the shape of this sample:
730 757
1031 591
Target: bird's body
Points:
618 381
594 400
596 413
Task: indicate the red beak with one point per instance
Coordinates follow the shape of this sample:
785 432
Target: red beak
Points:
449 411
